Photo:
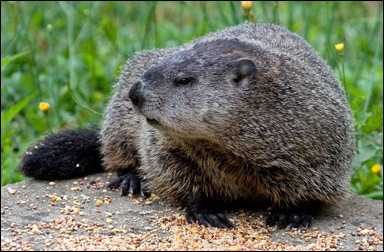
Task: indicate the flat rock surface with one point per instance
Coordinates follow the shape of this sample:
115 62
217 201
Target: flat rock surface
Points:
85 215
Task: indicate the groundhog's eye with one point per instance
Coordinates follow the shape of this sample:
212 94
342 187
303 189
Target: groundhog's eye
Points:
184 81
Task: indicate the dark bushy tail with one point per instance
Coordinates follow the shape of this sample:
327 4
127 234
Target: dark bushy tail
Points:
64 155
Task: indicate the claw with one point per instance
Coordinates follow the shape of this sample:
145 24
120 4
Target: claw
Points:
144 190
202 220
114 184
124 186
190 217
307 221
134 185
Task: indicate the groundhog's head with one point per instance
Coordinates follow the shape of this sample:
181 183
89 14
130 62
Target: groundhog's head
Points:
198 92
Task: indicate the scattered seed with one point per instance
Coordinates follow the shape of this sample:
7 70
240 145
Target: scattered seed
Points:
11 190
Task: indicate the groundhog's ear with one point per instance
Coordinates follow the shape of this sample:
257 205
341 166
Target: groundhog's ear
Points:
243 68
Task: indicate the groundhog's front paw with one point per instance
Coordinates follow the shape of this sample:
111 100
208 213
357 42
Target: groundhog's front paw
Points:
288 220
130 183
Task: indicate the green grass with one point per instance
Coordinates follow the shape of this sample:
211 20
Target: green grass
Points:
69 53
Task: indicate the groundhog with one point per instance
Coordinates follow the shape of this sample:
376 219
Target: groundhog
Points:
249 113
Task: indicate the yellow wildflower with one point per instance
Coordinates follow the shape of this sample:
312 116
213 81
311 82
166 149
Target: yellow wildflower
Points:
376 168
247 5
43 106
339 47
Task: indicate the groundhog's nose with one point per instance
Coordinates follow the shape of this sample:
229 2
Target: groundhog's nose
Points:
134 93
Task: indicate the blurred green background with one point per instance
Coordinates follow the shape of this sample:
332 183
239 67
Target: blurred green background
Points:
68 54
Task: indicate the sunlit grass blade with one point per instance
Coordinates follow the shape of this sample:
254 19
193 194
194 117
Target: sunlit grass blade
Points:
8 59
379 47
379 19
8 115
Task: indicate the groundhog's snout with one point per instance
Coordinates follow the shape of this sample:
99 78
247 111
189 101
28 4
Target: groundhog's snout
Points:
135 94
